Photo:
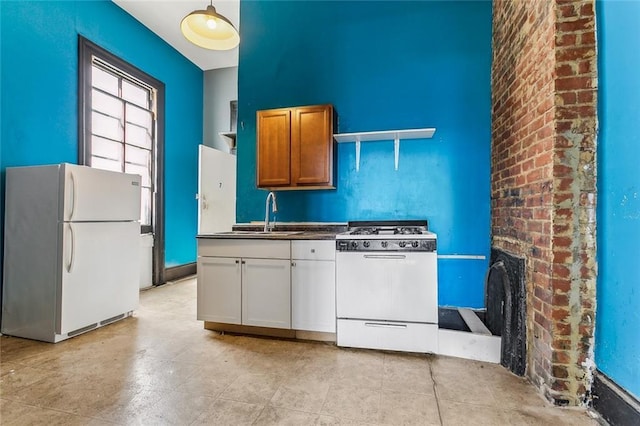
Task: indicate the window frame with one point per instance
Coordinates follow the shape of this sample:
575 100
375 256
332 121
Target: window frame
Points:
86 51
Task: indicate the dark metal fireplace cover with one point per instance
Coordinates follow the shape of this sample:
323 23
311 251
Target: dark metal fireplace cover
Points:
496 283
505 299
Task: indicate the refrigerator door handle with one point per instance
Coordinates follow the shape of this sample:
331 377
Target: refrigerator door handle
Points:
72 180
72 251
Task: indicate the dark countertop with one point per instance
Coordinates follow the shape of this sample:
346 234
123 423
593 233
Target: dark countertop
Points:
282 231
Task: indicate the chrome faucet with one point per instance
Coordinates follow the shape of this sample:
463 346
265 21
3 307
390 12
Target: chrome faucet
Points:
274 209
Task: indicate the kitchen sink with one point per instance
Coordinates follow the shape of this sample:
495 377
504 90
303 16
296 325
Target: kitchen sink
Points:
260 233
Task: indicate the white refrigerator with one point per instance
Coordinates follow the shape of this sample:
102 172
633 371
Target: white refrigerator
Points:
71 250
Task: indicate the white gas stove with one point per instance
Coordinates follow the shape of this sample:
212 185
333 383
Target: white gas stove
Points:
408 235
387 286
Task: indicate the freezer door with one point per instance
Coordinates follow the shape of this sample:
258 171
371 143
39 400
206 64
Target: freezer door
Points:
100 273
99 195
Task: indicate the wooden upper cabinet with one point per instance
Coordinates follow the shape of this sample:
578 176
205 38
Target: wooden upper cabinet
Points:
274 148
295 148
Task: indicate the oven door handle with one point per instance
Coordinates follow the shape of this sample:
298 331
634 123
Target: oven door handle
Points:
384 325
385 256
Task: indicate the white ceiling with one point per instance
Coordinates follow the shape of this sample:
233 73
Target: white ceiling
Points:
163 18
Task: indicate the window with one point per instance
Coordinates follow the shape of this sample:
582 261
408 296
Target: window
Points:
121 128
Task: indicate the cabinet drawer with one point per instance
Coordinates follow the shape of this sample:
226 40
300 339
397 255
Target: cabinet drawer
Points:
313 249
259 249
409 337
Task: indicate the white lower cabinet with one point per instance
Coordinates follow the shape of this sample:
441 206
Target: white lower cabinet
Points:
219 290
236 289
266 293
313 286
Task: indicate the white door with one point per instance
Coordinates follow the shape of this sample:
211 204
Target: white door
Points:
216 190
219 290
313 295
100 195
266 292
99 272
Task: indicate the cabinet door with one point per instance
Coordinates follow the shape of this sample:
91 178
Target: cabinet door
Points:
266 293
219 290
313 295
312 145
273 148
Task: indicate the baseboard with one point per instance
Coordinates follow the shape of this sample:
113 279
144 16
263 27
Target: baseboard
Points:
248 329
613 403
316 335
178 272
271 332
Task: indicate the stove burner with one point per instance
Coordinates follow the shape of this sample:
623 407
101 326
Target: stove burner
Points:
408 230
365 231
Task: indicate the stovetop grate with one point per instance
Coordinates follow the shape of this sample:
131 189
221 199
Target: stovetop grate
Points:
402 227
389 224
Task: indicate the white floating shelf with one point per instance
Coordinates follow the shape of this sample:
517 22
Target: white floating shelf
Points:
385 135
229 138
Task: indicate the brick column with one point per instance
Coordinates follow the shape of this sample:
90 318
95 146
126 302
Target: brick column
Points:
574 225
543 179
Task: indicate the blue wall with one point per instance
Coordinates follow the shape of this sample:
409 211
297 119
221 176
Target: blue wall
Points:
383 65
618 293
39 96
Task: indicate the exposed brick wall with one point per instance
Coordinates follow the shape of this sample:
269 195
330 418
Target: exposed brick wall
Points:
543 179
574 224
523 119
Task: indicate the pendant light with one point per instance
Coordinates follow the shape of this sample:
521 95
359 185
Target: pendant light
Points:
210 30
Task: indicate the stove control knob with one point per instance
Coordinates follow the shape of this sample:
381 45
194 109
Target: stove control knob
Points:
354 244
414 244
402 244
366 244
384 244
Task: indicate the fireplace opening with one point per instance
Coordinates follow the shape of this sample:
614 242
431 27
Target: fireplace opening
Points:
505 299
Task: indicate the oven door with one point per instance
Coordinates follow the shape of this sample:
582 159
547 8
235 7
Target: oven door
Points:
392 286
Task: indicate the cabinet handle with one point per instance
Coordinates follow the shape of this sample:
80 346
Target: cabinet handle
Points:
313 250
293 263
237 261
243 262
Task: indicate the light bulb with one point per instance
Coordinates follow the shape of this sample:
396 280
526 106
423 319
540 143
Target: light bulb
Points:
211 24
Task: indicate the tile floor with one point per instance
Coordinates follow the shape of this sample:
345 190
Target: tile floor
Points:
161 367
